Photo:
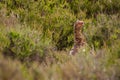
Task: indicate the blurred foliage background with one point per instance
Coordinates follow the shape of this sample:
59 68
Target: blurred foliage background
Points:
36 36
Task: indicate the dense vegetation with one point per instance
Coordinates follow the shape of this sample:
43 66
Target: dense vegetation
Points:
36 36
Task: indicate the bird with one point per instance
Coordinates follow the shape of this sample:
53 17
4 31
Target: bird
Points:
79 39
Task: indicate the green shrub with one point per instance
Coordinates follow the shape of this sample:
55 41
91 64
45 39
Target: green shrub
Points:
59 27
102 31
22 43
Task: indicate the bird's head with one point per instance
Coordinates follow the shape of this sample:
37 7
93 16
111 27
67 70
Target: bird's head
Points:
79 24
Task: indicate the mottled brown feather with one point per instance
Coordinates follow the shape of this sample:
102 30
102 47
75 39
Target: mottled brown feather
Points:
79 39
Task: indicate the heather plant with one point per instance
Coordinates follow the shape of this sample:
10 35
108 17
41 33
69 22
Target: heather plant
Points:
37 35
21 43
104 31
